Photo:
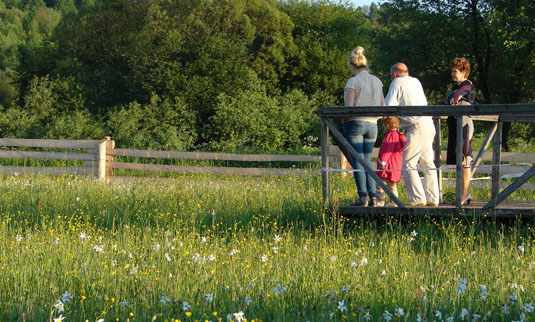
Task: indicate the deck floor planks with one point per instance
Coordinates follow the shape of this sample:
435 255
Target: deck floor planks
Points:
504 209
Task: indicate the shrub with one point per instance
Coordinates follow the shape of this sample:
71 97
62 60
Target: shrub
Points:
253 120
160 125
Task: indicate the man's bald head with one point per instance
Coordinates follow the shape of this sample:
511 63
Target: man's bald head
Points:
399 70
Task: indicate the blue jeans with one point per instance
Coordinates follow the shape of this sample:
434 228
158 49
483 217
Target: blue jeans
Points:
362 136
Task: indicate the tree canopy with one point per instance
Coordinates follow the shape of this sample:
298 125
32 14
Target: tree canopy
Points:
227 74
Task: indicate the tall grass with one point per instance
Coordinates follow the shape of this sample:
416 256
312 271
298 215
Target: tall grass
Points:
204 248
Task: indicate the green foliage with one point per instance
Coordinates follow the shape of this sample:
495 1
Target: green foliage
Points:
251 119
76 125
16 123
52 109
103 54
325 33
161 124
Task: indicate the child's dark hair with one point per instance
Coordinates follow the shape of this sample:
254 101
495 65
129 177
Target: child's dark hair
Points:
391 122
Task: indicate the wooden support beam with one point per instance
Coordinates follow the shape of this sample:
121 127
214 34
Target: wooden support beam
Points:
496 159
344 145
437 148
485 145
509 190
325 176
459 162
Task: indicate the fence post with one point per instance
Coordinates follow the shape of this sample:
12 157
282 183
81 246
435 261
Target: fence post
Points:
102 159
110 145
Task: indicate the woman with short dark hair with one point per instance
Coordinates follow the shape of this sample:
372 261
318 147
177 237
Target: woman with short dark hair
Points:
462 94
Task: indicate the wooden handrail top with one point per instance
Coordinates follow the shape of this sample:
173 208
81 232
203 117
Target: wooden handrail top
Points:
214 156
49 143
508 110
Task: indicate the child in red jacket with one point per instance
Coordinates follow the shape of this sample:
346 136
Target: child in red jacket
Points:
390 160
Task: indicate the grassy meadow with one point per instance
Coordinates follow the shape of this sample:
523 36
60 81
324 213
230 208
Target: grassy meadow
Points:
206 248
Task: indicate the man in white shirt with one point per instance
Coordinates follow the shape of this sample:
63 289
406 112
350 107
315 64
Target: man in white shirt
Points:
420 131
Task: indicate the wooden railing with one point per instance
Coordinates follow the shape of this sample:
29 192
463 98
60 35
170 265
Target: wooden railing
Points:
98 159
212 157
497 114
93 153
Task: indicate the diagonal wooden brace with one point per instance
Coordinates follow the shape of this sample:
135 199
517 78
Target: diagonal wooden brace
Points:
349 151
509 190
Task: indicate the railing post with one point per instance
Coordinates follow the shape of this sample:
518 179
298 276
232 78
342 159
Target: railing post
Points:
325 178
102 159
496 159
459 162
110 145
437 147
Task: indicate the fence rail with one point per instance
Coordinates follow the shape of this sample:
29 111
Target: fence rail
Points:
98 157
94 155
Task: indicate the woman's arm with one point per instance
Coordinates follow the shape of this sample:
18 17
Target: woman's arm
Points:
349 96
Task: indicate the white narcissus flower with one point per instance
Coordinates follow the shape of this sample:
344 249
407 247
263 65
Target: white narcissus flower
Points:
59 319
239 316
186 306
98 249
59 306
461 287
464 313
277 238
341 306
209 297
165 300
66 297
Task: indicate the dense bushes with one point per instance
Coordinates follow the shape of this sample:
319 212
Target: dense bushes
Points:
251 119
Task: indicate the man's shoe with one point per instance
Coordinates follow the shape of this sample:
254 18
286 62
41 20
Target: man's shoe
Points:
379 203
360 202
416 204
431 204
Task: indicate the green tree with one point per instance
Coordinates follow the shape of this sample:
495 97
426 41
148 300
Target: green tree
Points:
325 33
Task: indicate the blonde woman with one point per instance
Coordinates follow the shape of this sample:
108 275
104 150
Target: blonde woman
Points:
363 89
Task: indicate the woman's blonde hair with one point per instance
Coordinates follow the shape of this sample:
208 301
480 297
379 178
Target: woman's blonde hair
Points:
357 58
391 122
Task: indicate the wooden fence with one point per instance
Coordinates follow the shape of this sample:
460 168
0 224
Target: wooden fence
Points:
93 153
98 159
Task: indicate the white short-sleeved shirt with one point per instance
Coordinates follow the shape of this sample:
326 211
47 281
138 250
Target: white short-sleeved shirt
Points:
407 91
368 92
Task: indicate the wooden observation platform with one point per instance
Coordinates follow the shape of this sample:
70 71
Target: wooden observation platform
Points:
495 113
